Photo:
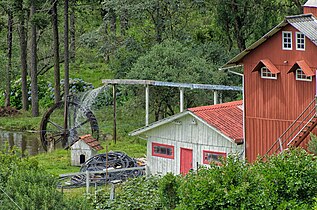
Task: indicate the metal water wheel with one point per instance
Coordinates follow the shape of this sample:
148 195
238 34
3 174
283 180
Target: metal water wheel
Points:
64 123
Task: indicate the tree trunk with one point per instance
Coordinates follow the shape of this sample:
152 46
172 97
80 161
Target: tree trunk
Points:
24 68
34 87
66 51
113 24
23 56
124 22
72 31
57 91
9 56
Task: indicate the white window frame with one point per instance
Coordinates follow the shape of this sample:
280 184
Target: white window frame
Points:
267 74
300 41
301 76
289 40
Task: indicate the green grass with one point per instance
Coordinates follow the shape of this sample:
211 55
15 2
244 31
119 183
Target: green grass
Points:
20 122
57 162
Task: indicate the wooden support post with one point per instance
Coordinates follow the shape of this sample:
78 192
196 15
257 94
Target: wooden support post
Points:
65 138
147 99
87 182
181 99
215 97
114 95
112 191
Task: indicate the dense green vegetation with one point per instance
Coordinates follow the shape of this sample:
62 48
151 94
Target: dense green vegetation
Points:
26 185
178 41
285 181
166 40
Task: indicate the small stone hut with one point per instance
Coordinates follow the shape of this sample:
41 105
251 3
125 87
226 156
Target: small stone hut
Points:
83 149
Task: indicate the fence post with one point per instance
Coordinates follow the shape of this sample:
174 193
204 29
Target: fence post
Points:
87 181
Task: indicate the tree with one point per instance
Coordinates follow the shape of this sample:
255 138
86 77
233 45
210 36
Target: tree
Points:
72 30
23 52
66 50
9 56
172 61
7 6
34 87
57 91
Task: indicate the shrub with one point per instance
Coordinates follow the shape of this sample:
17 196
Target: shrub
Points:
30 186
139 193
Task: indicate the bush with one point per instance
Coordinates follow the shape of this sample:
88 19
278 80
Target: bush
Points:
30 186
139 193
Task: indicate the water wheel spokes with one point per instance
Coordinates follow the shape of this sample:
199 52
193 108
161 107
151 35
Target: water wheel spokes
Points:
80 121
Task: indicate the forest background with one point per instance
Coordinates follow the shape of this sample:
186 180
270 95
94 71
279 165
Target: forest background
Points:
44 43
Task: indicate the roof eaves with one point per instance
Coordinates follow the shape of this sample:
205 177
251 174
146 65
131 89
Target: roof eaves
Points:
157 123
237 59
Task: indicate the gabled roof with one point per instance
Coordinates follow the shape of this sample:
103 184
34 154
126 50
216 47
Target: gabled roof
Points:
226 118
305 23
268 64
304 66
90 141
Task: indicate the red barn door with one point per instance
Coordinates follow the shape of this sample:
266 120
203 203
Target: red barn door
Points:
186 160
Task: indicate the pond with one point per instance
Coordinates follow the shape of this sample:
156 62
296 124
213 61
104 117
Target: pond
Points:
28 142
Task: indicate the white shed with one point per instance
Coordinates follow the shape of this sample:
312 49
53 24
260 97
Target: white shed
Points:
83 149
195 137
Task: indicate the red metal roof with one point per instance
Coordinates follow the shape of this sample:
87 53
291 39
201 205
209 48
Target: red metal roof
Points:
92 142
268 64
226 117
304 66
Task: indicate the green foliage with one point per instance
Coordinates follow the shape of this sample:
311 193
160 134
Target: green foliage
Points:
76 86
312 144
172 61
168 186
16 93
293 173
139 193
284 181
30 186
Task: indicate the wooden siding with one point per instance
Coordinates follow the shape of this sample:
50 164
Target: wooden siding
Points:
312 10
187 133
272 105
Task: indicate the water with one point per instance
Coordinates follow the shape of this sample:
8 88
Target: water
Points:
29 143
86 103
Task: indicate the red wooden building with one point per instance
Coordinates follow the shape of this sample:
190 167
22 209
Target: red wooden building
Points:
280 85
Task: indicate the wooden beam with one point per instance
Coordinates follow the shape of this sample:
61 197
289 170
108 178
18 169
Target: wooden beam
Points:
169 84
181 99
147 100
114 95
215 97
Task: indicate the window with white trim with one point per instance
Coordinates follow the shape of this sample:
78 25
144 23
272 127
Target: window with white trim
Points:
300 75
300 41
266 74
162 150
287 40
211 156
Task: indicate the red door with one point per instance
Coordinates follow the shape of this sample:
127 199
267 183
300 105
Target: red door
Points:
186 160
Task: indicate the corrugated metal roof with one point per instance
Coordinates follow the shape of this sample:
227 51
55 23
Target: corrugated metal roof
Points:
266 62
304 66
226 117
311 3
170 84
305 23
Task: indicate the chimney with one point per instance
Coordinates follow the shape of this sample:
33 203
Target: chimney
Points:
310 7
